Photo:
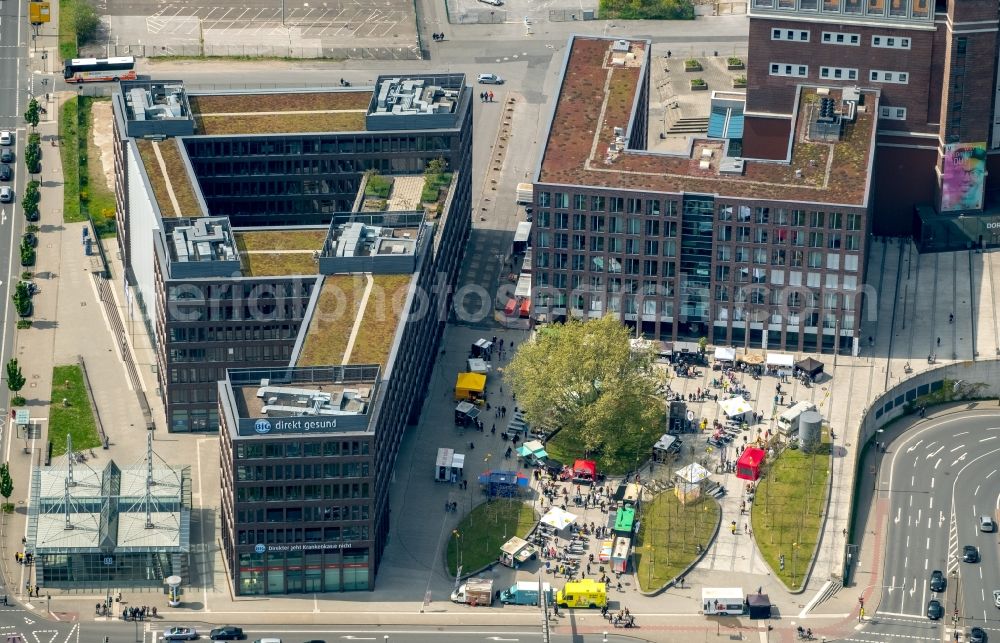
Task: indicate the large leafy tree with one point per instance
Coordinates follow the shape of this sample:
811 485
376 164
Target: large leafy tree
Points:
586 379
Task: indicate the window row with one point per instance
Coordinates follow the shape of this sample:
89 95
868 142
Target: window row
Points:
892 113
309 514
785 69
798 35
245 473
343 533
353 490
838 73
602 224
255 332
749 275
782 257
914 9
292 449
296 146
613 204
897 77
601 264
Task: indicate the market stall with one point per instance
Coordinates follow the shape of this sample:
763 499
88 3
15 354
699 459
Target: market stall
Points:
666 446
620 554
466 413
736 408
449 465
689 482
470 386
558 519
810 367
584 471
758 606
503 484
477 365
533 452
725 356
481 348
749 464
516 552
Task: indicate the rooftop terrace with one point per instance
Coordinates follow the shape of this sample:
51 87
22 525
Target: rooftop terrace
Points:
597 95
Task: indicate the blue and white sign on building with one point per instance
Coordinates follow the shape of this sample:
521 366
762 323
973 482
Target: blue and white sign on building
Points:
260 549
262 426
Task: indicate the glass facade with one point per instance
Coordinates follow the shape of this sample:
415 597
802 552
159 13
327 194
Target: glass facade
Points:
329 569
98 569
696 265
909 10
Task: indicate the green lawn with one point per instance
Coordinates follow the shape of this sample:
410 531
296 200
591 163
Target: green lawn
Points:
67 29
629 452
75 418
69 152
94 190
485 530
787 510
669 535
100 199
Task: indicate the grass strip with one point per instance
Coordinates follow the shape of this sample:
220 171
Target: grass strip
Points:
476 541
70 412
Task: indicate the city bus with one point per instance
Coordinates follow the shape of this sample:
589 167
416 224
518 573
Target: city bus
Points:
92 70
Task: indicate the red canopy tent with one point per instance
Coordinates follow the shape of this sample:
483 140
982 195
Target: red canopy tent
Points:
748 466
586 469
510 307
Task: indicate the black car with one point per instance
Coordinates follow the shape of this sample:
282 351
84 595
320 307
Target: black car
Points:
227 633
32 216
6 173
30 238
938 581
934 610
6 155
977 635
970 554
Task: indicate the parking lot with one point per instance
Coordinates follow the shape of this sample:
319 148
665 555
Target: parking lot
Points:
515 11
370 28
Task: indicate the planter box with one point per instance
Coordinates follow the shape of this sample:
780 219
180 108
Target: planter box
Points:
737 85
693 68
698 88
739 66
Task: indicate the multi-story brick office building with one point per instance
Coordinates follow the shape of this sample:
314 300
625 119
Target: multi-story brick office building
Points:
181 156
701 243
323 286
935 67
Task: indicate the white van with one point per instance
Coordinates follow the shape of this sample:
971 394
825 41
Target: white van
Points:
788 422
727 601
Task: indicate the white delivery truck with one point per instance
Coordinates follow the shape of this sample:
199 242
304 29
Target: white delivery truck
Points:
525 193
788 421
725 601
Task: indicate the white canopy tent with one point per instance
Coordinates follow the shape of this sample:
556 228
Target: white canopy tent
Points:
694 473
735 407
780 360
725 354
558 518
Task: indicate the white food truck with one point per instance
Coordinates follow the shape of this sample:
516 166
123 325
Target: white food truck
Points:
726 601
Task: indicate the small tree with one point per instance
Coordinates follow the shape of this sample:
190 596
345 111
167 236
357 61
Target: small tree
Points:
15 381
85 21
6 487
29 202
33 114
22 301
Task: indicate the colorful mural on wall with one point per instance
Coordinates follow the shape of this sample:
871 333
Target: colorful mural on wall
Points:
964 176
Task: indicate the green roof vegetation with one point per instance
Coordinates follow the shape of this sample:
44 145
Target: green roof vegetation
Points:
332 320
289 102
381 318
172 171
282 240
378 185
281 123
180 181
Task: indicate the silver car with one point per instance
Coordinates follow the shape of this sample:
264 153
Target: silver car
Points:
6 194
180 634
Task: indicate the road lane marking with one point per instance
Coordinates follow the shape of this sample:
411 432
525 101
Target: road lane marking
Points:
992 437
928 546
912 448
961 446
932 482
962 433
931 455
960 459
990 474
938 462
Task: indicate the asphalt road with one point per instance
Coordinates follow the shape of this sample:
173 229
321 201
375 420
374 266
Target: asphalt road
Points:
13 83
940 476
